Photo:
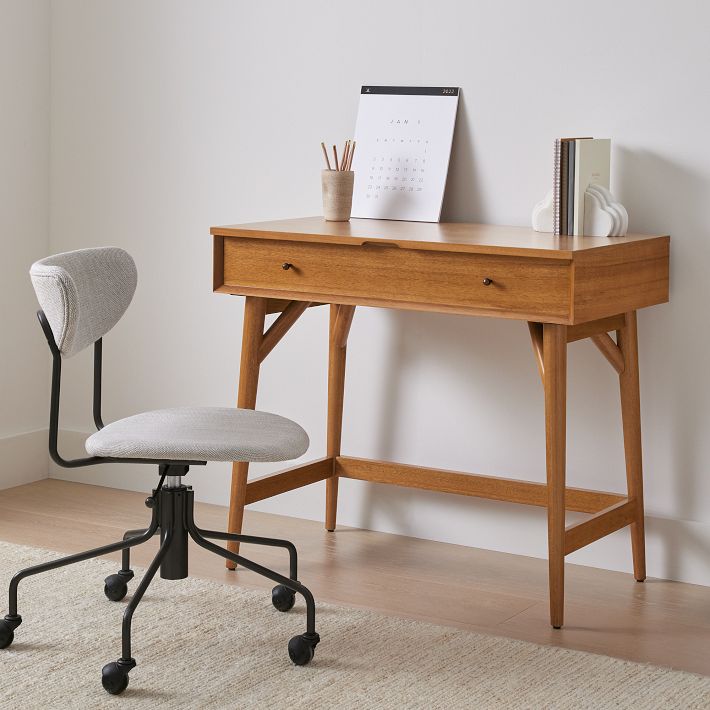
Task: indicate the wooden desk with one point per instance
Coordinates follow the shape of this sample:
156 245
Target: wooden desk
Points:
566 288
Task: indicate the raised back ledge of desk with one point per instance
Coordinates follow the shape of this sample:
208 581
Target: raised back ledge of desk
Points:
442 236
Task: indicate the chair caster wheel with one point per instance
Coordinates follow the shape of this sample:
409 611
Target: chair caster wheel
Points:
7 634
283 598
116 586
114 677
302 648
7 629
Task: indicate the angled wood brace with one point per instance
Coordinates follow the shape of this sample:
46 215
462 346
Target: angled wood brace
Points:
280 327
596 331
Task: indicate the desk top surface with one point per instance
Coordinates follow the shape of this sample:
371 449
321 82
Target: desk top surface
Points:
443 236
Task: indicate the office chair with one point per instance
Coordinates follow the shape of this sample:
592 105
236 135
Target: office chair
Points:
83 294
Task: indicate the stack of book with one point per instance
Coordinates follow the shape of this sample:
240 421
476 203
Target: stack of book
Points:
579 162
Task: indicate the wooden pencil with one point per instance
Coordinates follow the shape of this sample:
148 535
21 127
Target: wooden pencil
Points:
346 158
347 152
346 148
325 155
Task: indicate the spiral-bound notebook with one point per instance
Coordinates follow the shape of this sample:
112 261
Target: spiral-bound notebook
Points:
403 137
556 187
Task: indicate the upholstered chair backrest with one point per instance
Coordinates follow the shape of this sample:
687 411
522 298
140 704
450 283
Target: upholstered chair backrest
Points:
84 293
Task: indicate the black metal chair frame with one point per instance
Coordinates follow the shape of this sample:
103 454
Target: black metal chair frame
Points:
172 505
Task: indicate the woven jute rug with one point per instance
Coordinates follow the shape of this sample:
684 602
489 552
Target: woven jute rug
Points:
200 644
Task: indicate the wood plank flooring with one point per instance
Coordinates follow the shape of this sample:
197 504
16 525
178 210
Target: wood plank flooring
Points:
660 622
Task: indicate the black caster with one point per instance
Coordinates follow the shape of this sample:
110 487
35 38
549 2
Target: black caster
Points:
7 634
116 586
7 630
302 648
283 598
114 676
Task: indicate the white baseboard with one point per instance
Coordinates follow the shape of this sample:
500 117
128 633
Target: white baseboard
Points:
23 458
675 549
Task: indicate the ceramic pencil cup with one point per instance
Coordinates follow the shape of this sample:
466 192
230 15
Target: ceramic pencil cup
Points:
337 194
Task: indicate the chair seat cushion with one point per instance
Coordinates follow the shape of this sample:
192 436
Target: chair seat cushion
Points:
201 434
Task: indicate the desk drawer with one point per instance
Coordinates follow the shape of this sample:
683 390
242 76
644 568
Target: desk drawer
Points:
376 275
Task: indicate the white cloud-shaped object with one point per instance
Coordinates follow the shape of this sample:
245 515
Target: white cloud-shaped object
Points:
603 215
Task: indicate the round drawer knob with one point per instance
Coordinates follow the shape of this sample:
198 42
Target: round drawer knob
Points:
286 266
487 281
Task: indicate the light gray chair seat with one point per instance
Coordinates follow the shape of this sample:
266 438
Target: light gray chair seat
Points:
201 434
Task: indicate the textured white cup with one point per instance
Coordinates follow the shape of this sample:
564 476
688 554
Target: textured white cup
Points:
337 194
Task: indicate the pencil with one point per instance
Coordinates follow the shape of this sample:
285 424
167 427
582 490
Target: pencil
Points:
325 155
350 155
335 154
344 164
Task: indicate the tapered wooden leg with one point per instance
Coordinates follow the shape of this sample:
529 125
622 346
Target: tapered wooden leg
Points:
627 340
340 321
252 336
555 368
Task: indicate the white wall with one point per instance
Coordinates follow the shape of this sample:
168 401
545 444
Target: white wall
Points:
24 236
169 117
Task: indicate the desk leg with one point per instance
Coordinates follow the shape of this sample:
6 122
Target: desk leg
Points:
252 336
340 320
631 419
555 368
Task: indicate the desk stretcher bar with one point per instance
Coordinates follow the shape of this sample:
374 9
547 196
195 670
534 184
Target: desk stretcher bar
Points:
612 511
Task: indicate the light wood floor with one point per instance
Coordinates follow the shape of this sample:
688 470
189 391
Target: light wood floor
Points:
661 622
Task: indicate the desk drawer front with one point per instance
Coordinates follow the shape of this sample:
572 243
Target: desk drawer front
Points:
389 275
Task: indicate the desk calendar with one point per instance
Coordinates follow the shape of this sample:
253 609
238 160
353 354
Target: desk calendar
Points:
403 137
